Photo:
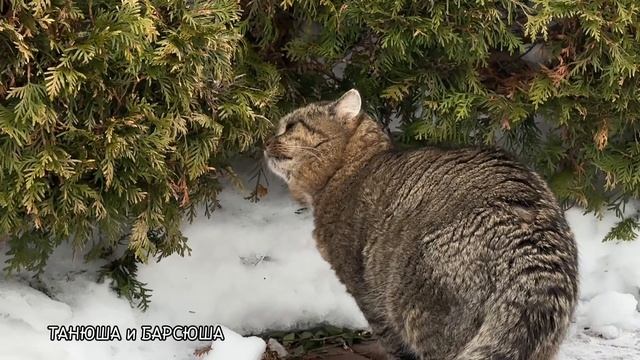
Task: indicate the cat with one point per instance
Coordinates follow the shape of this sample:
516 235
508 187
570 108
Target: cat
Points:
457 254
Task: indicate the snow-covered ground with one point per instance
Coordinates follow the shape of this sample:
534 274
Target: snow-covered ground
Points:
254 267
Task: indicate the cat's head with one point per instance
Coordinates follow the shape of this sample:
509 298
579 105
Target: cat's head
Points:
310 142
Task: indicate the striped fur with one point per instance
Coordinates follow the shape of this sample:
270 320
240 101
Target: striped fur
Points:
450 254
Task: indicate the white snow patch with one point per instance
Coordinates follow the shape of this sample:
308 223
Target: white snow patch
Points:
610 312
236 347
604 266
254 267
24 316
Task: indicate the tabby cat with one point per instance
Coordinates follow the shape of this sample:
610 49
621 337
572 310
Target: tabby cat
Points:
450 254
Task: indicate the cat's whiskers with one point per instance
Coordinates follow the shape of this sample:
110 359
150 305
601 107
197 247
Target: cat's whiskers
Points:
310 150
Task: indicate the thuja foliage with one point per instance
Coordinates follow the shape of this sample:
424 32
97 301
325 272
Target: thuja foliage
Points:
555 81
117 119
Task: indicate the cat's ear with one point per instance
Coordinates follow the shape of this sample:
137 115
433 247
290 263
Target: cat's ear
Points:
348 106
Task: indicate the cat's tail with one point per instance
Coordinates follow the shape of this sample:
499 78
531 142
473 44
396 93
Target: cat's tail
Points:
528 330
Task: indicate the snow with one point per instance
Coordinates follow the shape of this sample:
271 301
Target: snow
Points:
235 346
604 266
610 312
253 268
25 314
292 286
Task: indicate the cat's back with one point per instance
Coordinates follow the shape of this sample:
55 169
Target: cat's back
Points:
407 196
445 183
